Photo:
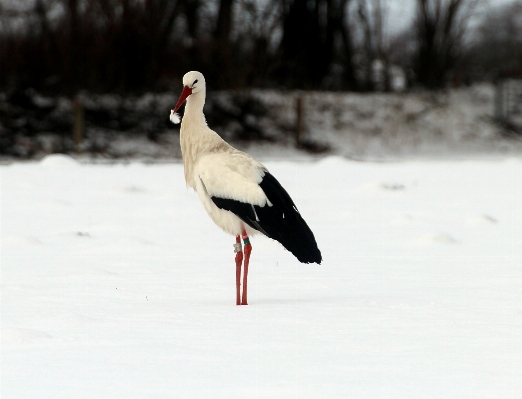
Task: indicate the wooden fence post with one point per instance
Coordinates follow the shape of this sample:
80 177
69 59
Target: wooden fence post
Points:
499 101
78 123
298 120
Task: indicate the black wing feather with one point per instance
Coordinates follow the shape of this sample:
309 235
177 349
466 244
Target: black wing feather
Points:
281 221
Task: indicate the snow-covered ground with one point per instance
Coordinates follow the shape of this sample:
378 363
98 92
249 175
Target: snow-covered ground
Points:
115 284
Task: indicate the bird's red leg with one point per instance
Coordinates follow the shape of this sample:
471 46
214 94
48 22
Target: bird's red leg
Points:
248 250
239 261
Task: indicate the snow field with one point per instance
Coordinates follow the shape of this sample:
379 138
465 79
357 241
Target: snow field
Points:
116 284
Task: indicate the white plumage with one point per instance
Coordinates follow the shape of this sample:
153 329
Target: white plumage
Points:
231 176
213 167
238 192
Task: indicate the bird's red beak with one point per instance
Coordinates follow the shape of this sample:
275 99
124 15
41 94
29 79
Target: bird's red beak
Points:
187 91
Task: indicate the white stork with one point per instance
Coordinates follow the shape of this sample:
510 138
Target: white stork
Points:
238 193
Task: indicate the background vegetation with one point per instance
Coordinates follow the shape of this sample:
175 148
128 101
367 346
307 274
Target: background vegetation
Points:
82 75
63 46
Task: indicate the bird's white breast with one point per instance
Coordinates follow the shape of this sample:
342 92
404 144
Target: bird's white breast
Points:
231 175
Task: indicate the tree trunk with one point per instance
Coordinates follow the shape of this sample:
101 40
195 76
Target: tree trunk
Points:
439 29
222 52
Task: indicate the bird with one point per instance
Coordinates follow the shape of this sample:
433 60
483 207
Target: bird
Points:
239 193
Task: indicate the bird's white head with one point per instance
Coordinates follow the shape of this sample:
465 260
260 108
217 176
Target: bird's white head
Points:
193 82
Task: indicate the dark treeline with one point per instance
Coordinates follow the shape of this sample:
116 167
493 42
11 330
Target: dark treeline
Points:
63 46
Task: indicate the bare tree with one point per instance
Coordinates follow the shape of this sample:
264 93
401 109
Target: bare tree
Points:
312 32
347 48
497 46
440 26
376 48
340 41
222 49
129 45
256 37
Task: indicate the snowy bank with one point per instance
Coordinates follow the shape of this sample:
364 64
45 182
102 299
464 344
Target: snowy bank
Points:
372 126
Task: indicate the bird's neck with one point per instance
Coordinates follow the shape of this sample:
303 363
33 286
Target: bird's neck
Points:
194 108
196 138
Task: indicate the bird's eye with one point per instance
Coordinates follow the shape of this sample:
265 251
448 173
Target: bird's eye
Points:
193 84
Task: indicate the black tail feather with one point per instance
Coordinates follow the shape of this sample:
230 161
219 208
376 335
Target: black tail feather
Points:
281 221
